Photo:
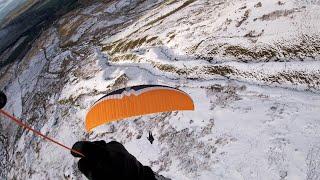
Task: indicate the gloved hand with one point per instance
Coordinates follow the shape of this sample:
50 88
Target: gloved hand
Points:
109 161
3 99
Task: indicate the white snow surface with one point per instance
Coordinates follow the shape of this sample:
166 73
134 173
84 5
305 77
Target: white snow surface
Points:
256 117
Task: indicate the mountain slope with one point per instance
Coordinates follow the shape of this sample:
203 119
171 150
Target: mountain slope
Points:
250 66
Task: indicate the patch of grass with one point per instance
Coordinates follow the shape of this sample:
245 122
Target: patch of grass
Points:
125 46
67 101
277 14
244 18
194 48
171 2
70 27
134 43
171 37
187 3
173 69
295 77
152 39
240 52
124 57
219 70
166 67
305 46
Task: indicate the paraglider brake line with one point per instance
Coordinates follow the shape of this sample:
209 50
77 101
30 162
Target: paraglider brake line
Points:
20 123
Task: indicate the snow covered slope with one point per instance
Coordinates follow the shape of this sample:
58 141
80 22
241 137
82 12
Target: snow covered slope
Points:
252 68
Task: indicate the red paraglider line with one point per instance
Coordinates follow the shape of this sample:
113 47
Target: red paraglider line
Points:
20 123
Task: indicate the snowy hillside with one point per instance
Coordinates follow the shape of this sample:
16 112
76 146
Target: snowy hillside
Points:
252 68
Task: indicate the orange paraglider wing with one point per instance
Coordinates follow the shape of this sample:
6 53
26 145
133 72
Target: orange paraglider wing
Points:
135 101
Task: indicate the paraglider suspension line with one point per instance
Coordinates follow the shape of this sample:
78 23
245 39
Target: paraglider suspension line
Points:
20 123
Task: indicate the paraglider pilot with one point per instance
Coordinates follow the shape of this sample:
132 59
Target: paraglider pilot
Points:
104 161
150 137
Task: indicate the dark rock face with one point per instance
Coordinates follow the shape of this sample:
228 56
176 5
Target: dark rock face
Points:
16 37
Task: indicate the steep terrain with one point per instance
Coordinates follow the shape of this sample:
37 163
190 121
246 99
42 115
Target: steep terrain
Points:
252 68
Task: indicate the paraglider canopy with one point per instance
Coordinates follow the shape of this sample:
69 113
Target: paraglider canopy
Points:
135 101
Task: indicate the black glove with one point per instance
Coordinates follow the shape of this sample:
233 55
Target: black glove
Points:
3 99
109 161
